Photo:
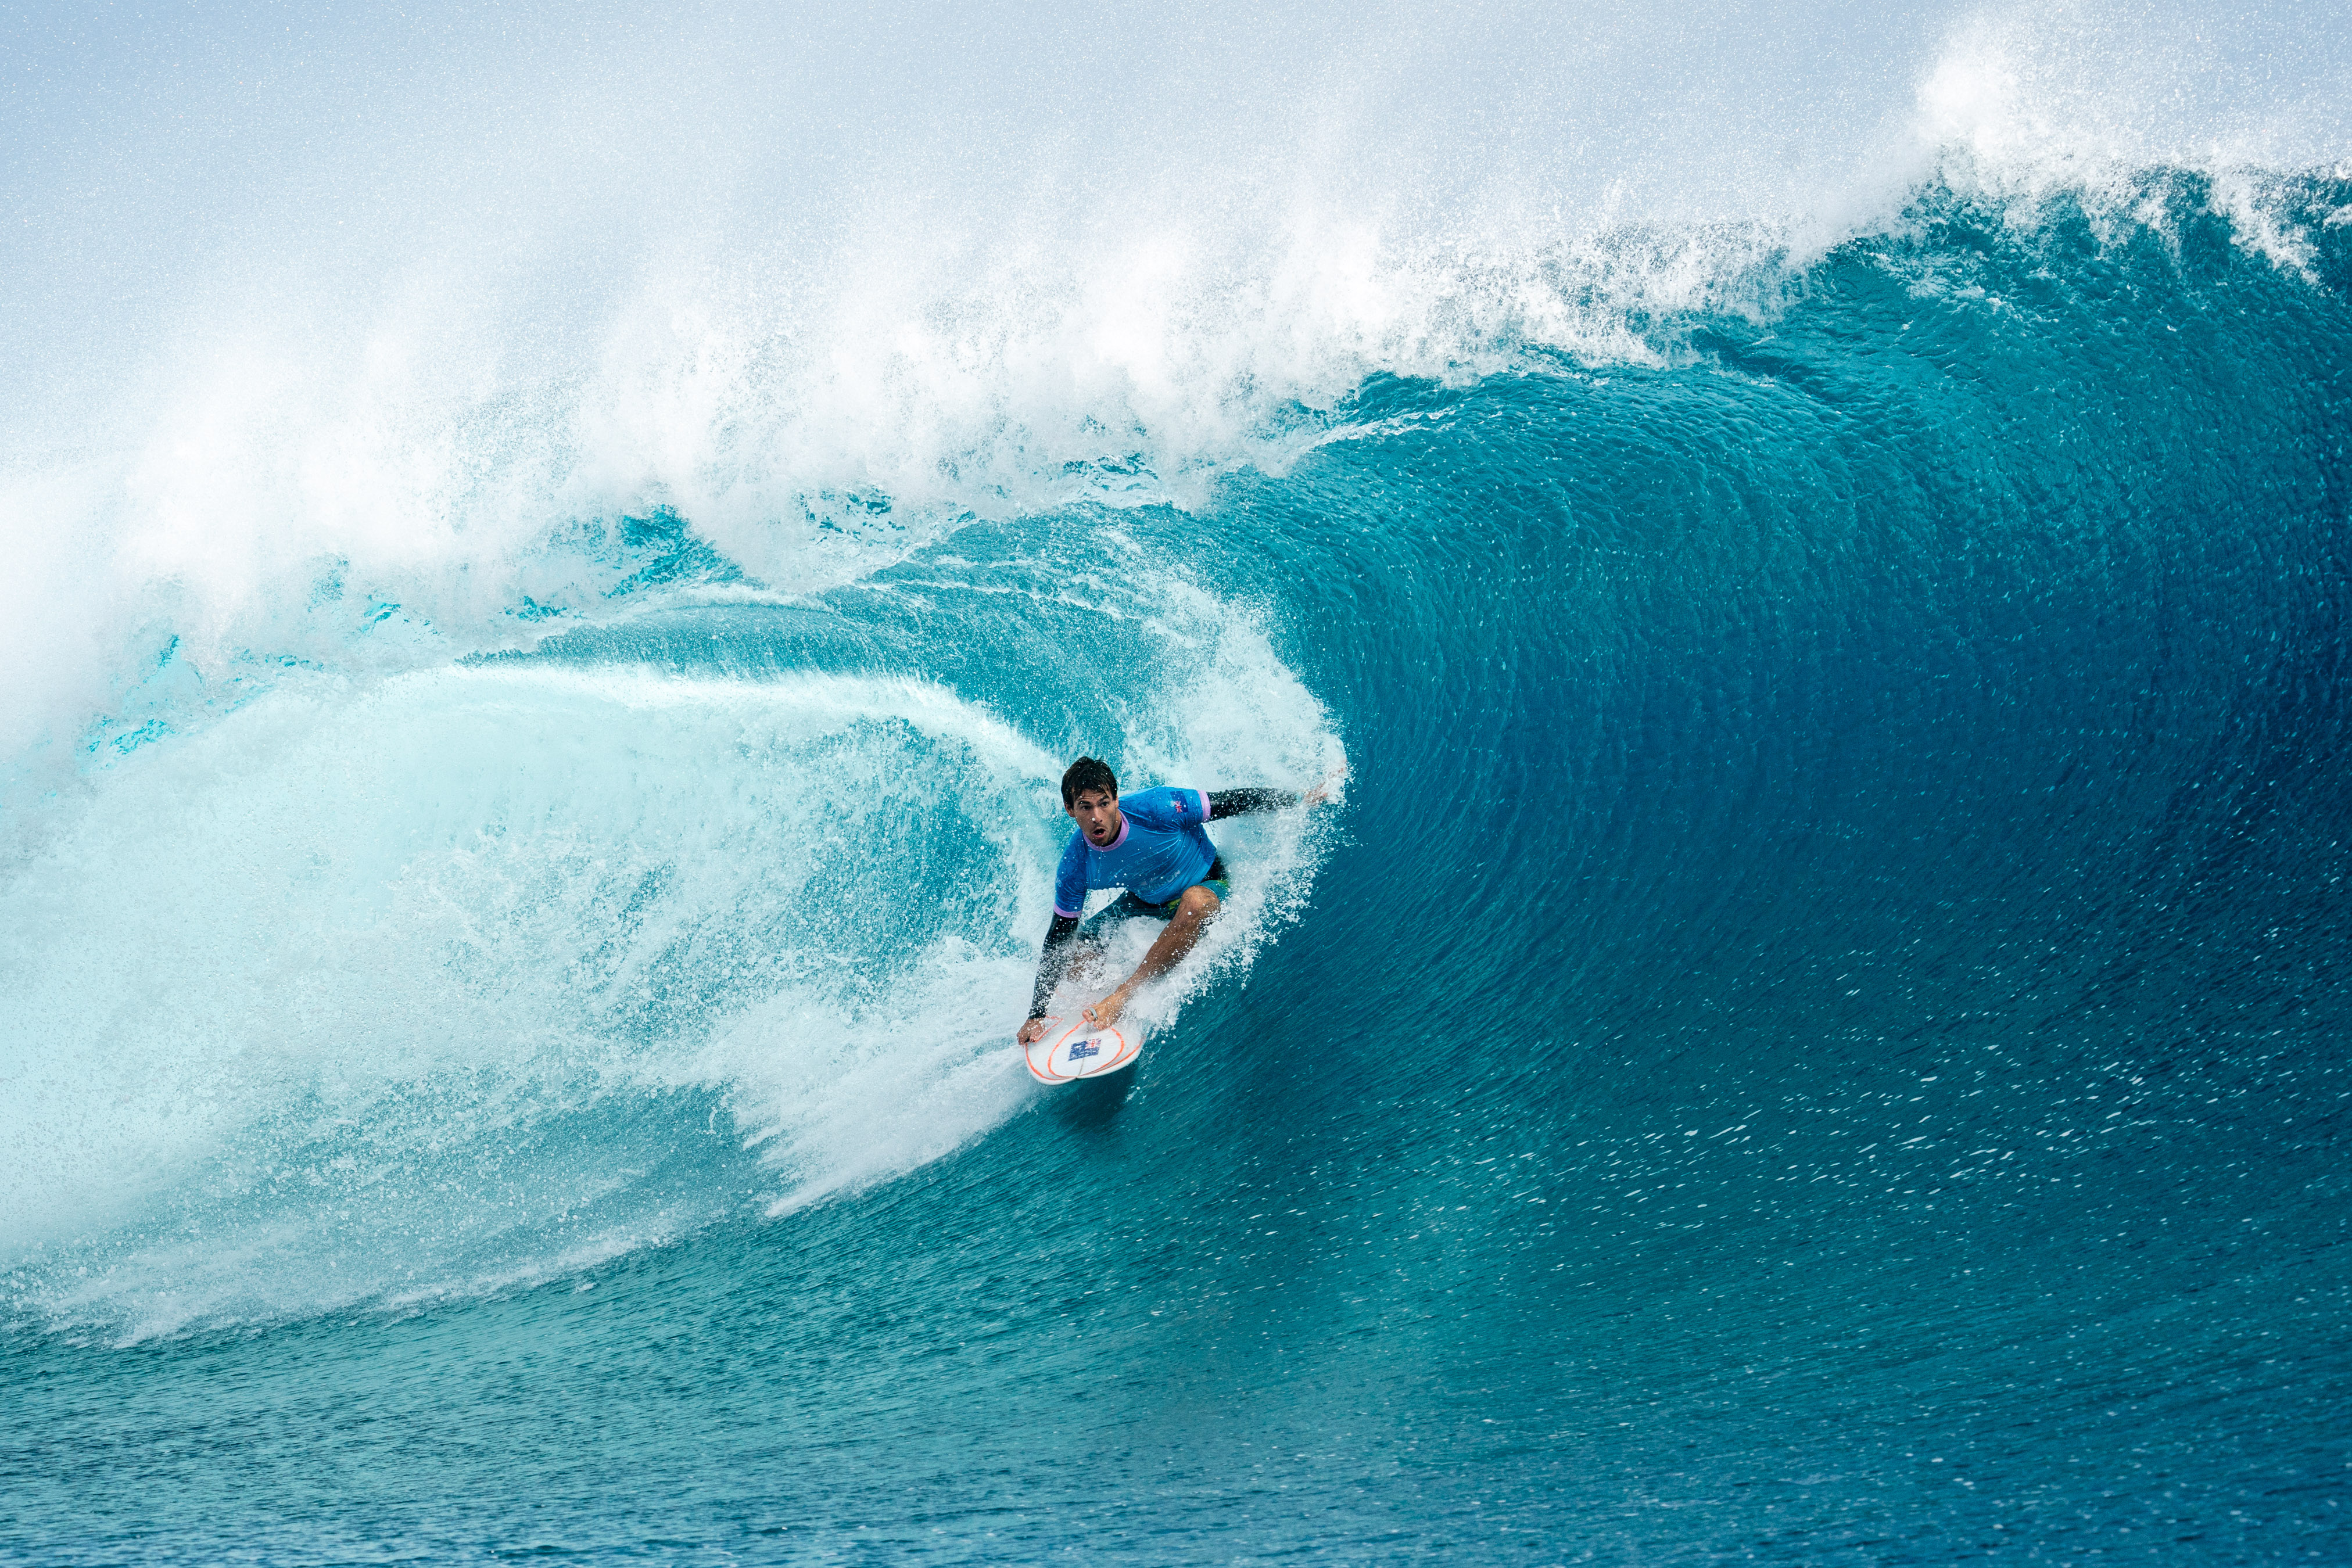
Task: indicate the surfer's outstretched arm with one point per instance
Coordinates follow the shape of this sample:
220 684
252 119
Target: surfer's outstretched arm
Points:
1223 803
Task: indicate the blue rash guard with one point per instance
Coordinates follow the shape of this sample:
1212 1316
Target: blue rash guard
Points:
1161 851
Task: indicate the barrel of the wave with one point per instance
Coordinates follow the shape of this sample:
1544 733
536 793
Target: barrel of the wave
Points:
1082 1051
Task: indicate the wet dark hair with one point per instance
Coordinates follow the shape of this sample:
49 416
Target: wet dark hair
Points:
1086 774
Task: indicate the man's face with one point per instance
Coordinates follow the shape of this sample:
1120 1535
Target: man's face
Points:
1097 812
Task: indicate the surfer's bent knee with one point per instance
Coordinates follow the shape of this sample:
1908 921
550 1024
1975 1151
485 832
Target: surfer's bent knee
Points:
1200 900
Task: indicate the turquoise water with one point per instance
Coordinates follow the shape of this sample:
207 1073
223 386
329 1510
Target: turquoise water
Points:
1816 1031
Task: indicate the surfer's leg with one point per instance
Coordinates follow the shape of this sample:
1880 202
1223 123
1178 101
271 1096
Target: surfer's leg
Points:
1194 912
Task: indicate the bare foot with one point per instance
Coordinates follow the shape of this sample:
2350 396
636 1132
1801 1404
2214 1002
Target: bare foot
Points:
1105 1013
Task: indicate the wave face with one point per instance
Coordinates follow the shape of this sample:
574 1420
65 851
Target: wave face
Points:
1817 1024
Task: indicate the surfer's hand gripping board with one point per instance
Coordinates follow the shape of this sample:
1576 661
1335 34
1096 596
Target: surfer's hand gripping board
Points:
1082 1051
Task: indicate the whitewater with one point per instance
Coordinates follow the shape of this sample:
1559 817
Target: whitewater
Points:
555 557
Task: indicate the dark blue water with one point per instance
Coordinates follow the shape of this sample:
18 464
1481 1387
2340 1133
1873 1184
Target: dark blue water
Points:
1818 1032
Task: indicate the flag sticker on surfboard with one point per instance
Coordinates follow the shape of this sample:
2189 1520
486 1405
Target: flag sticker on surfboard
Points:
1080 1051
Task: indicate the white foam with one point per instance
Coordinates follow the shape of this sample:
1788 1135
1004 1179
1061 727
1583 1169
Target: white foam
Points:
2025 103
930 265
377 989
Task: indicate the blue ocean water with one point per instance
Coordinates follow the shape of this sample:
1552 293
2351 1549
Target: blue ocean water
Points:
1815 1032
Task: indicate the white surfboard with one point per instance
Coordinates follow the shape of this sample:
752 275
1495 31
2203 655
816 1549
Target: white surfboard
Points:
1082 1051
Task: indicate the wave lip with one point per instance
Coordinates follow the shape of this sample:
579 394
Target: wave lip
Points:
827 372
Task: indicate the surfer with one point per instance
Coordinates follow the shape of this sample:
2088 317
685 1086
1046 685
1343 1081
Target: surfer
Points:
1151 846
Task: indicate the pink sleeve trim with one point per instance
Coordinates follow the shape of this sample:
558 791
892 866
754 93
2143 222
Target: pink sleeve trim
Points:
1203 794
1066 914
